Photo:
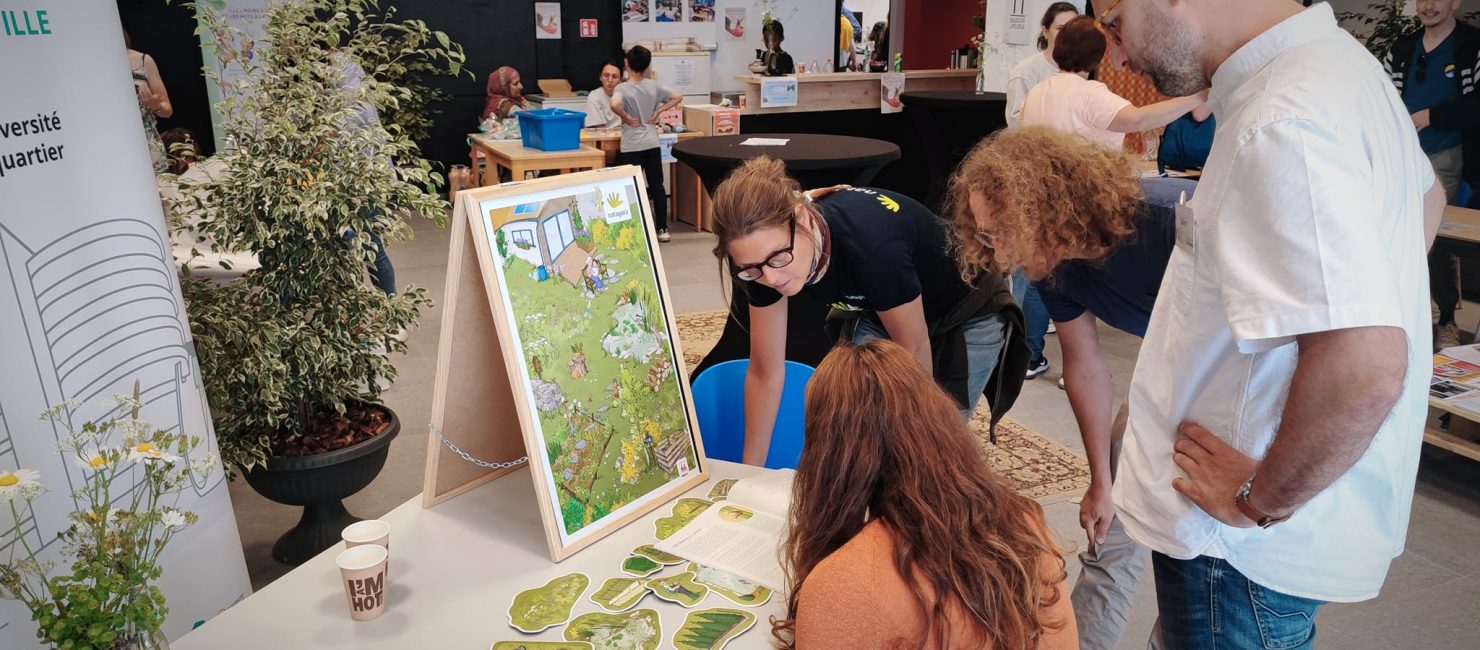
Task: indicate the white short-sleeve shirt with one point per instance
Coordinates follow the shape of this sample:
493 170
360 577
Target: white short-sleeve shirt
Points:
1309 218
1069 102
599 111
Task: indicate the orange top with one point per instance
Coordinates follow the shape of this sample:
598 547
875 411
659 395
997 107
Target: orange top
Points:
856 599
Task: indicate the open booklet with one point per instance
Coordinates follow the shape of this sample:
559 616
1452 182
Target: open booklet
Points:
742 534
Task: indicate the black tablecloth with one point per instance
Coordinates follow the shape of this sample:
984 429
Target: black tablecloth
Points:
815 161
950 123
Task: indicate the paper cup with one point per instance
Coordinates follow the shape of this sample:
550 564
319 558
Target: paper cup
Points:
364 569
370 531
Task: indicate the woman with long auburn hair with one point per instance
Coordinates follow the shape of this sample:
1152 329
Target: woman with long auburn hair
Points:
900 536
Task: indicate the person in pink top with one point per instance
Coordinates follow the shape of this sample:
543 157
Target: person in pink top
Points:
1070 101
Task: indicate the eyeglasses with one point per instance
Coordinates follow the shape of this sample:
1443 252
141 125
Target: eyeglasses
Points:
1110 28
776 260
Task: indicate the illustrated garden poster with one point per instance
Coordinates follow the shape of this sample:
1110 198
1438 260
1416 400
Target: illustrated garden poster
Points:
599 369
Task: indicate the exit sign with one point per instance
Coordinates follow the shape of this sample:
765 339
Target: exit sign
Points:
588 28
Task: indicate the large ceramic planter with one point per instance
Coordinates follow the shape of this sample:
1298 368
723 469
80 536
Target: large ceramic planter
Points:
320 483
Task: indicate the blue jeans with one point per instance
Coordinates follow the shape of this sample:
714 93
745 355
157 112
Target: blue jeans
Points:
984 341
382 273
1035 317
1206 604
1035 314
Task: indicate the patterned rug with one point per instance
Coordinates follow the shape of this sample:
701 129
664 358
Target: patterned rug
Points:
1034 466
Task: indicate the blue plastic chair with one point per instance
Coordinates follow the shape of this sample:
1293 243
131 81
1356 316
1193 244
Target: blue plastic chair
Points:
719 402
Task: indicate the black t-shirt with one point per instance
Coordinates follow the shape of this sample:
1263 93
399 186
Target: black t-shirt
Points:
887 250
1121 289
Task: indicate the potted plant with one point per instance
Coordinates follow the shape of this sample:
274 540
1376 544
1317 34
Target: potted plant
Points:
106 598
292 354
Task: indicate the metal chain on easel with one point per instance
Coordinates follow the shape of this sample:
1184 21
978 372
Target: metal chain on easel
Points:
468 457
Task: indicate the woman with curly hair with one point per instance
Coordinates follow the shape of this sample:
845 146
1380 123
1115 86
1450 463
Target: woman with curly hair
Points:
1096 239
900 536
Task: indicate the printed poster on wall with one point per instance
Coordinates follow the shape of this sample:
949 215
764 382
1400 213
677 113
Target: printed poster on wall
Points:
547 20
735 23
667 11
635 11
1021 26
90 301
701 11
891 86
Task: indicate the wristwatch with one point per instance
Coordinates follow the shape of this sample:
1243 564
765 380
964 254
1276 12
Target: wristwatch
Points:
1242 501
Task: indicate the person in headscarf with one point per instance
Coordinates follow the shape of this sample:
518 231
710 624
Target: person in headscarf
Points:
505 93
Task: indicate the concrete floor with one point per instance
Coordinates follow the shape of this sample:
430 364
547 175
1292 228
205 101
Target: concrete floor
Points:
1432 596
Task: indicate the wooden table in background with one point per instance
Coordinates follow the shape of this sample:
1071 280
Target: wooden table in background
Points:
609 141
1461 225
519 159
1460 233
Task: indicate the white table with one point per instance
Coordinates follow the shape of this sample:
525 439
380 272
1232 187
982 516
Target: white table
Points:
454 571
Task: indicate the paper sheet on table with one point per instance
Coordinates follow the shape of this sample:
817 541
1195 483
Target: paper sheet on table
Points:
1471 404
1470 353
1454 370
765 142
742 537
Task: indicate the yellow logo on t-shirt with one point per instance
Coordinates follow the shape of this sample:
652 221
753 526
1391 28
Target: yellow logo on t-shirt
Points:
889 203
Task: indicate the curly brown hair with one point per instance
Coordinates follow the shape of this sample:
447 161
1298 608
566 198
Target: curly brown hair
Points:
1051 196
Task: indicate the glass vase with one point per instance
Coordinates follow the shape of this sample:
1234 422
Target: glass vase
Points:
133 638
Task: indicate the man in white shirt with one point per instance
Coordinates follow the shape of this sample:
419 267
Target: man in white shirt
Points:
599 103
1278 404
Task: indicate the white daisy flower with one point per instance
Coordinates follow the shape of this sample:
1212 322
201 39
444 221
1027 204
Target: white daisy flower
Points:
173 519
92 462
21 483
147 452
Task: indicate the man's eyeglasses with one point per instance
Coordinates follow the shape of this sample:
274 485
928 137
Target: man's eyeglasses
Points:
1108 26
776 260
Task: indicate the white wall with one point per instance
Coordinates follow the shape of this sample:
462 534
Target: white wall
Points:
811 33
873 11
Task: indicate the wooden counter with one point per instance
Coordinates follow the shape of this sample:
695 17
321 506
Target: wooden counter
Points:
841 91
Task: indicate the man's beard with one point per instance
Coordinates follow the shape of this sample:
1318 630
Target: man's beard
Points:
1172 58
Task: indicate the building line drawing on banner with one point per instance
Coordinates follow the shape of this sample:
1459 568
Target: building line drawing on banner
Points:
94 333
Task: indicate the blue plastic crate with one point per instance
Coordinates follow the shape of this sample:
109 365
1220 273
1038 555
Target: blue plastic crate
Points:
551 129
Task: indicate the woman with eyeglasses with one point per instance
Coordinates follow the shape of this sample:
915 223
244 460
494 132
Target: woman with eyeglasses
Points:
599 103
882 260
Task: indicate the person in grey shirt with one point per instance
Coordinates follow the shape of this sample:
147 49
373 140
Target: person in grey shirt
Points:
638 102
599 103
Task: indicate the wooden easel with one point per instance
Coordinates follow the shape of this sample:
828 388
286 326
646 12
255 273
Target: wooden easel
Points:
474 403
